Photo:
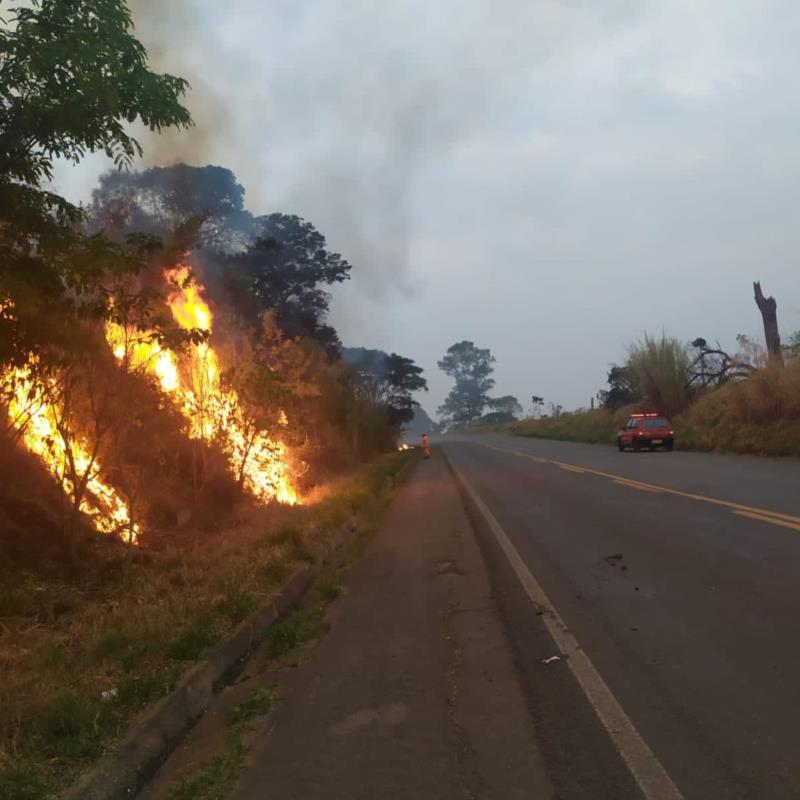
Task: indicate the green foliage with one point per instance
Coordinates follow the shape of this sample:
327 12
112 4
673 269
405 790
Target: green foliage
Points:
73 79
507 404
258 704
471 368
386 382
623 388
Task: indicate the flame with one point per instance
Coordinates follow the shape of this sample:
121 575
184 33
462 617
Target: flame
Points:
32 412
214 412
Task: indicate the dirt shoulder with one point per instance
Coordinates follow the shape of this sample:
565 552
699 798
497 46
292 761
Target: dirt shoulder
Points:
411 692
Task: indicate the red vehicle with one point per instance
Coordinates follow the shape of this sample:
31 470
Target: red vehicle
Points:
646 430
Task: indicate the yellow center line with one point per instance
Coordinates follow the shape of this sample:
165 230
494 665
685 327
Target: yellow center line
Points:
795 526
761 513
636 485
570 468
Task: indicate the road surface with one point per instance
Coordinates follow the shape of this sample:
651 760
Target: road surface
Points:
676 579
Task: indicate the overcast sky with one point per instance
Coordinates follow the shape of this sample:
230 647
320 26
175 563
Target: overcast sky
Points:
546 178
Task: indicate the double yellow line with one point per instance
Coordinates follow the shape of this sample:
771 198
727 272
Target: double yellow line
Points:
761 514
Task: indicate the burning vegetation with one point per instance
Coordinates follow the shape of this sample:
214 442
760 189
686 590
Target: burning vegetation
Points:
191 367
214 413
165 354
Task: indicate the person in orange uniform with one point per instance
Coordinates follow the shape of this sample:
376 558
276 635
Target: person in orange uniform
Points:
426 446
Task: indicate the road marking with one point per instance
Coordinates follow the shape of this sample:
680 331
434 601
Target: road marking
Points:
737 508
570 468
795 526
642 487
643 764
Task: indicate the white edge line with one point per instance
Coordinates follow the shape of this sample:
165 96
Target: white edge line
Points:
643 764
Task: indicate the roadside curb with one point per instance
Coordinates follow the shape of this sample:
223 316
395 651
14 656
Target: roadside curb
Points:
151 738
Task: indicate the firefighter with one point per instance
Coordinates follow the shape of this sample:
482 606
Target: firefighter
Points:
426 446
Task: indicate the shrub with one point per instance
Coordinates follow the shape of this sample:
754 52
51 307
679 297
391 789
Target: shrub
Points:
661 367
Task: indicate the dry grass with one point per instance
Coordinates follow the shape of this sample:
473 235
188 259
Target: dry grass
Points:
760 415
133 631
598 426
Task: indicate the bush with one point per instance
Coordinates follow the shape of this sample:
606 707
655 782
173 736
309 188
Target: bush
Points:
661 367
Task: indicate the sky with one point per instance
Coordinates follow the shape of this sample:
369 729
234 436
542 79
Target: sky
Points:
549 179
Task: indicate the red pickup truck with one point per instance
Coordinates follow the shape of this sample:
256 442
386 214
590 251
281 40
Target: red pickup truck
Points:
646 430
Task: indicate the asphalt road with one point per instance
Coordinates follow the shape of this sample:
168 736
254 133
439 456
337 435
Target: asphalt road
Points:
677 575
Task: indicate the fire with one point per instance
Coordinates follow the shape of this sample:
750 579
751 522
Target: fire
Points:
39 420
214 412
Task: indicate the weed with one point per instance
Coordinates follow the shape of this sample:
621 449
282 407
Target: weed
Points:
330 588
295 541
190 646
258 704
68 726
275 572
211 781
236 604
21 783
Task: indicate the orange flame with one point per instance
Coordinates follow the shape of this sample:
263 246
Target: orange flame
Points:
213 411
33 413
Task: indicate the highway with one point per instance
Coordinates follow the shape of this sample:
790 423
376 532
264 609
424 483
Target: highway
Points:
668 584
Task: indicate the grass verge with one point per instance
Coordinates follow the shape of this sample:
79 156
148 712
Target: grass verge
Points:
759 416
79 658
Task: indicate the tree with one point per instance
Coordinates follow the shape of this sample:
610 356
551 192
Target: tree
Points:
537 404
274 262
622 388
507 405
769 314
388 382
72 79
286 268
471 368
161 200
712 366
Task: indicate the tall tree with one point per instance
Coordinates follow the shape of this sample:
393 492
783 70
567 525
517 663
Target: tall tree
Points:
387 381
286 269
471 368
73 77
274 262
161 200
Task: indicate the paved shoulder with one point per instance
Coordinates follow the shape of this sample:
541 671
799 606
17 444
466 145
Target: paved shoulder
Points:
413 692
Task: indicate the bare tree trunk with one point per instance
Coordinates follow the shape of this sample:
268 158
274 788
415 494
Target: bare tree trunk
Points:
768 308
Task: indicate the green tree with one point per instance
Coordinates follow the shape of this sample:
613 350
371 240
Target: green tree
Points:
286 268
508 405
73 78
387 381
622 388
471 368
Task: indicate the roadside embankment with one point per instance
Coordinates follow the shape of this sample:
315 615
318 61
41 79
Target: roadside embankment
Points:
83 654
758 416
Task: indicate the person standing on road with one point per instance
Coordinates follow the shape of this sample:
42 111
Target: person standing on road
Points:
426 446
